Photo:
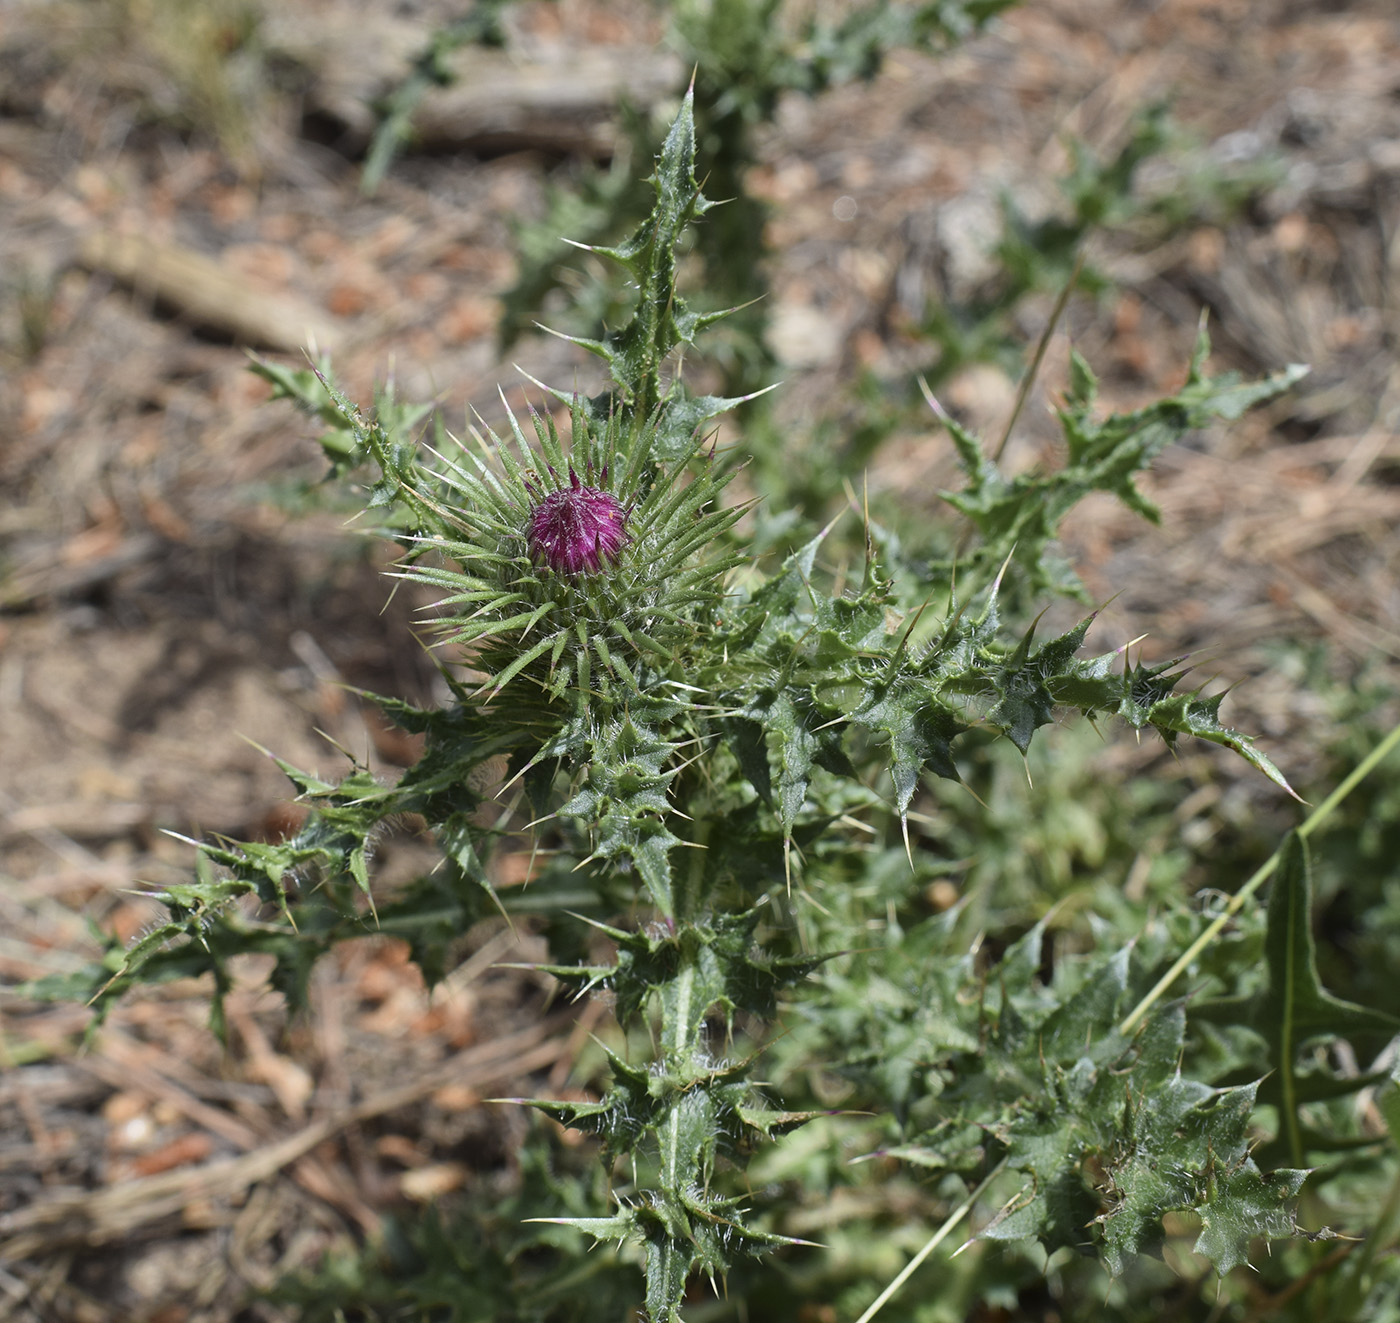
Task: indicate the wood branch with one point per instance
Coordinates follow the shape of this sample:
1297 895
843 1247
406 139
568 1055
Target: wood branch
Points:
567 103
101 1216
202 289
554 97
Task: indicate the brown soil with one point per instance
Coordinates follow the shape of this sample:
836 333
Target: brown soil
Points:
167 597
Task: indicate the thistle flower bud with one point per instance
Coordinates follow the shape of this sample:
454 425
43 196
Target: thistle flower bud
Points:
577 529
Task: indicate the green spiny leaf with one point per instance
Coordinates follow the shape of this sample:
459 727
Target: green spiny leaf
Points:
1294 1007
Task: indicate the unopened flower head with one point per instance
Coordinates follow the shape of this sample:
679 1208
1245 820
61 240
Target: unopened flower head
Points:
577 529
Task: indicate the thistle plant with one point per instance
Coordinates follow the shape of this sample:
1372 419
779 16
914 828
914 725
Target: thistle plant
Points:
720 762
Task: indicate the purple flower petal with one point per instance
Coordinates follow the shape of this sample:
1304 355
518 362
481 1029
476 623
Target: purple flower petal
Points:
577 530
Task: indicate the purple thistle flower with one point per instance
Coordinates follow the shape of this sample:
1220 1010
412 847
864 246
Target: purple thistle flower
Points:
577 529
